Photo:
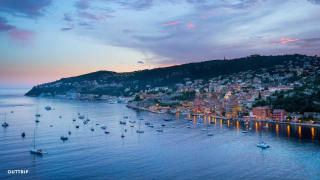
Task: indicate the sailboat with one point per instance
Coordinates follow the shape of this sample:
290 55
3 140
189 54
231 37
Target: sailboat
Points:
5 124
262 144
92 129
35 150
37 115
139 130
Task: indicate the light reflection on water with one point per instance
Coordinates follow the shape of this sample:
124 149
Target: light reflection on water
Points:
177 153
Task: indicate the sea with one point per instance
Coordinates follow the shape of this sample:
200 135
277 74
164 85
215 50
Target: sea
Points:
182 151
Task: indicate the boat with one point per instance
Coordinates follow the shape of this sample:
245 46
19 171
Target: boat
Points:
125 117
60 116
131 125
37 120
123 122
48 108
12 112
92 129
97 124
77 126
64 138
159 130
69 132
168 119
35 150
132 121
203 129
140 131
81 117
151 126
147 123
265 127
23 134
173 127
244 131
122 136
107 132
189 127
263 145
210 134
103 127
163 125
5 124
141 119
74 119
51 125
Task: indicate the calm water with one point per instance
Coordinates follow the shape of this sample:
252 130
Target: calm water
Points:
177 153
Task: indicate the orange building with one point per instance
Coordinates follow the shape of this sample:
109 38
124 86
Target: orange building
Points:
279 114
262 112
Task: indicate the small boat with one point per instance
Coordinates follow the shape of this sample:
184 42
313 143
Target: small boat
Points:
48 108
125 117
107 132
131 125
147 123
203 129
103 127
11 112
38 152
37 120
69 132
151 126
23 134
173 127
125 130
159 130
92 129
35 150
168 119
262 145
122 136
123 122
37 115
60 117
81 117
97 124
163 125
51 125
77 126
186 119
74 119
189 127
210 134
64 138
141 119
265 127
5 124
198 123
132 121
140 131
244 131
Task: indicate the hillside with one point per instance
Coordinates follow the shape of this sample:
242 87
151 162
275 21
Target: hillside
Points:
126 84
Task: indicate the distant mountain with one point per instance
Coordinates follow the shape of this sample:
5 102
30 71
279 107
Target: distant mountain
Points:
125 84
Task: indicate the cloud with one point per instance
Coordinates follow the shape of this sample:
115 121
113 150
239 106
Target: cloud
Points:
171 23
140 62
92 16
285 40
25 8
20 35
190 26
67 17
66 29
82 4
4 26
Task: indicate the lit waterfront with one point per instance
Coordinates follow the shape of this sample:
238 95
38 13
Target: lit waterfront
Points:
186 153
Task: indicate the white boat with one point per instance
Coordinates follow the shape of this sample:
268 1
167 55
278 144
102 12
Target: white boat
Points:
189 127
244 131
103 127
81 117
210 134
140 131
48 108
263 145
150 125
35 150
203 129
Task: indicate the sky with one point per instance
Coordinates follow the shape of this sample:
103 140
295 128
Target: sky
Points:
45 40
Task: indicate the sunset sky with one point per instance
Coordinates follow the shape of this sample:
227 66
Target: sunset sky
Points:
45 40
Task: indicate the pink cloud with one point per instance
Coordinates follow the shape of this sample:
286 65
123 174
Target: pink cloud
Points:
190 26
20 35
172 23
285 40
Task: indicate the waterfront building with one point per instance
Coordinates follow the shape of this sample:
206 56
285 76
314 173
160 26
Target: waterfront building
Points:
279 114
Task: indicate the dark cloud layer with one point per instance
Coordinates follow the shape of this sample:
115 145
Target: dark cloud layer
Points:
4 26
26 8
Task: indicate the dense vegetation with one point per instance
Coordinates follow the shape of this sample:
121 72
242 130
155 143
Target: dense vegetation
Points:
125 84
